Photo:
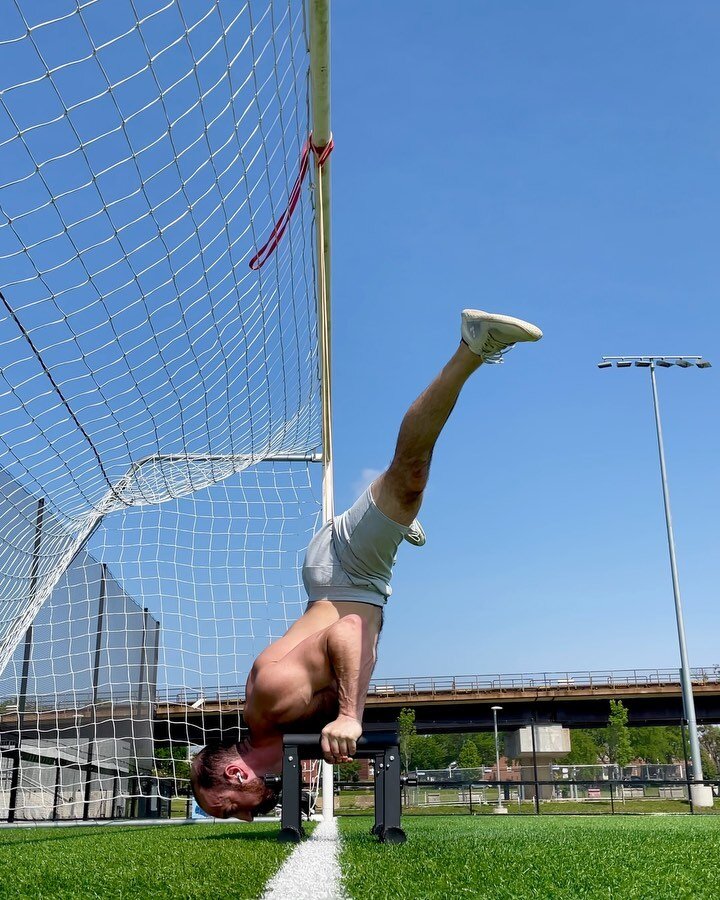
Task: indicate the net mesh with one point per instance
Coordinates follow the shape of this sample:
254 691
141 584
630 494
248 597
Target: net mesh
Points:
159 399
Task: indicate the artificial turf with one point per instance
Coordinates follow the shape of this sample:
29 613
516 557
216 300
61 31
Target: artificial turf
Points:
188 861
553 858
559 858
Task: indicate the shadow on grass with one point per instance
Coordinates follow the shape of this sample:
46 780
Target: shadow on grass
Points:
74 833
267 832
271 838
188 832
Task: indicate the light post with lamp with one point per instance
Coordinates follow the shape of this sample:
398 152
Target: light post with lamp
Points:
499 808
701 793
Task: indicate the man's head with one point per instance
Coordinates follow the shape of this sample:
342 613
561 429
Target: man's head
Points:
226 786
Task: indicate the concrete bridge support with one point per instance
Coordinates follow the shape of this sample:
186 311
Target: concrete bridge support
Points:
537 747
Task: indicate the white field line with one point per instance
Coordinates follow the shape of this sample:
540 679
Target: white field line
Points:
312 871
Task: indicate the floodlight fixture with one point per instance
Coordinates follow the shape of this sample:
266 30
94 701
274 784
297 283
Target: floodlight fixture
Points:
650 362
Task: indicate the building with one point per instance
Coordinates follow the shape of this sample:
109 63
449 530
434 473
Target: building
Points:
76 698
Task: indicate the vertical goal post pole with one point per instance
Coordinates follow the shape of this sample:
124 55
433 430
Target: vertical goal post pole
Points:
319 15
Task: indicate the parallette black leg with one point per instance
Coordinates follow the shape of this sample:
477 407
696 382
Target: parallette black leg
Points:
379 794
291 835
393 836
291 828
392 833
378 743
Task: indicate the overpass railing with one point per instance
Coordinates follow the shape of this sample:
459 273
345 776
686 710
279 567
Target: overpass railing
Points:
601 680
417 686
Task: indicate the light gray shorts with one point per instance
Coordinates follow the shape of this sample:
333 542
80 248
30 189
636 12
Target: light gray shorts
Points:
352 557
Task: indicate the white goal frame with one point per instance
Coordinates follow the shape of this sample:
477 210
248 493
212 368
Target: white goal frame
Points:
319 11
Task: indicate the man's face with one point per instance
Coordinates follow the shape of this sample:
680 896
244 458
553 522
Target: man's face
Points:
223 803
234 803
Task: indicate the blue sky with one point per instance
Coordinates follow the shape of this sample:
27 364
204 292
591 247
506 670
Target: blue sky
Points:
558 162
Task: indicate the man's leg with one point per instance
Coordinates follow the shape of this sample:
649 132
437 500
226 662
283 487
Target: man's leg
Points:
398 491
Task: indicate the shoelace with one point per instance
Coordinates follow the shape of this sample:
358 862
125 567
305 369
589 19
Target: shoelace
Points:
497 350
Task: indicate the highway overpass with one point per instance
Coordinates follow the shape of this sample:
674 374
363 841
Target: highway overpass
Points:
463 703
441 703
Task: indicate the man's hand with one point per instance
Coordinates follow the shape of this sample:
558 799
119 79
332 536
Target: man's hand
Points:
339 739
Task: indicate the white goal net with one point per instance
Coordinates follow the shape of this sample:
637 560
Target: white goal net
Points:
159 399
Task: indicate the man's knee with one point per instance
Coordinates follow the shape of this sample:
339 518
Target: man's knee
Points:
396 499
409 477
405 484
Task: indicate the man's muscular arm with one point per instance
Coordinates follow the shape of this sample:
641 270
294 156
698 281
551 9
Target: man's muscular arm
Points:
351 652
340 658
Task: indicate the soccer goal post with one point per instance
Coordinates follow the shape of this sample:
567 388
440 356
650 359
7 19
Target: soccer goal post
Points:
322 137
165 447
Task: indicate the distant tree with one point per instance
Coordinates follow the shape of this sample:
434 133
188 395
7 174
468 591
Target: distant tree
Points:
407 733
619 749
349 771
656 744
485 743
585 749
428 752
469 756
437 751
171 762
709 766
710 743
451 744
675 743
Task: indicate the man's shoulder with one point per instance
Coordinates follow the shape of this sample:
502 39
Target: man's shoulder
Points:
280 692
276 677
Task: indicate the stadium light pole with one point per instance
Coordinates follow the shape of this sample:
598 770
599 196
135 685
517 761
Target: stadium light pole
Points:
495 711
702 793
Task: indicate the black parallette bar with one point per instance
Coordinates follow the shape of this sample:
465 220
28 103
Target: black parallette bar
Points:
308 745
381 746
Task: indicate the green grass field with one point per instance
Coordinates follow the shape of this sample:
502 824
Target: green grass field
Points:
563 858
139 862
654 858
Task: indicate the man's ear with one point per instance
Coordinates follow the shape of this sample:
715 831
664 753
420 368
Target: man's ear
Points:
237 772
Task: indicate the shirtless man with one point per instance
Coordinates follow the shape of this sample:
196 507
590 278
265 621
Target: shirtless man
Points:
318 673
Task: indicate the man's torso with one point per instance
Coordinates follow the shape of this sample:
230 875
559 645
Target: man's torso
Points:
304 705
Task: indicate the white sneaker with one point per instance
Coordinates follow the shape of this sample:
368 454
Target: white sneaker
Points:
416 534
490 335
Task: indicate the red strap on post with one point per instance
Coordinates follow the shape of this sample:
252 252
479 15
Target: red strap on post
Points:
321 155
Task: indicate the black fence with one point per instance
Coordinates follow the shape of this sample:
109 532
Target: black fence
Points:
536 797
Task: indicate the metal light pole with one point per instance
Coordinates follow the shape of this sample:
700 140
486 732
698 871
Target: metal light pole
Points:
683 362
495 711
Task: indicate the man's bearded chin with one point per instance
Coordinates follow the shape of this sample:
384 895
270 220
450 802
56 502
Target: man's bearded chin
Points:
268 803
